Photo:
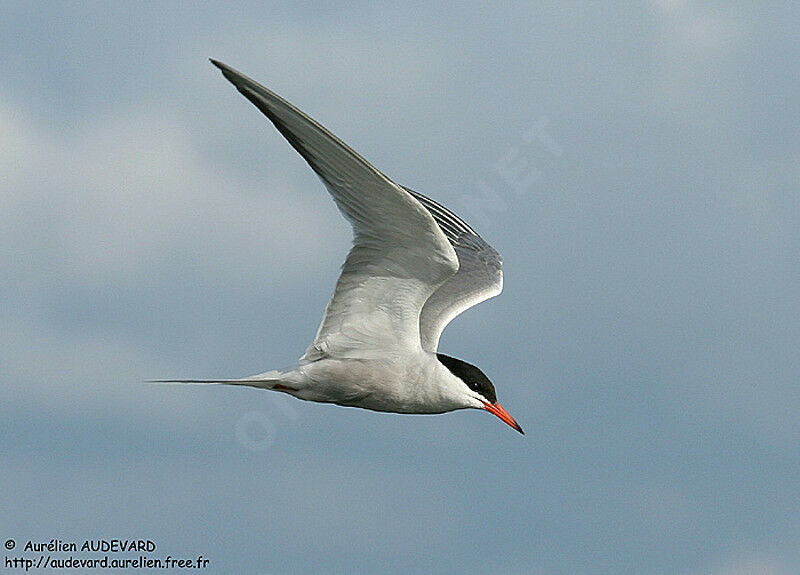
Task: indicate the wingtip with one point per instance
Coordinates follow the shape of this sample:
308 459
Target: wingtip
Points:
231 74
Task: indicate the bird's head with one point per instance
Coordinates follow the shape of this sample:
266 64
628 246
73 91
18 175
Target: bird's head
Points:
481 393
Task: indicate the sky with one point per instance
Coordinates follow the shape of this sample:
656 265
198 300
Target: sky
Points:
637 166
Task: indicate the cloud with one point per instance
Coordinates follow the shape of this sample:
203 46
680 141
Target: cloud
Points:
752 562
106 214
117 195
696 51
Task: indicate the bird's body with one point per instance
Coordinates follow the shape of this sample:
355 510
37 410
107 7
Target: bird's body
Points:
410 381
413 267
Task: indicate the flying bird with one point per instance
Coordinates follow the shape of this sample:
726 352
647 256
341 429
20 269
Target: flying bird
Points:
413 267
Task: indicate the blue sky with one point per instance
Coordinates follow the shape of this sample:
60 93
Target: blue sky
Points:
637 165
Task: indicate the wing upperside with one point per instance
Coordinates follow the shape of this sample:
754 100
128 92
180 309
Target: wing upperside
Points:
479 276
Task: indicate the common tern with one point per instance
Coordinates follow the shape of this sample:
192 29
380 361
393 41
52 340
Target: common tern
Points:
413 267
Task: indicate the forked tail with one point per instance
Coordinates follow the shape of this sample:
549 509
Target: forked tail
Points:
268 380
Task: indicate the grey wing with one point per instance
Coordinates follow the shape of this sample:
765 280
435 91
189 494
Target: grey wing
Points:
479 276
399 255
